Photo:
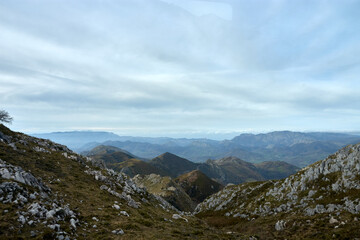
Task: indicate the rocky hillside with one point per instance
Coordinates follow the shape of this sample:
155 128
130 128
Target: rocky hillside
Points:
197 185
320 201
168 189
49 192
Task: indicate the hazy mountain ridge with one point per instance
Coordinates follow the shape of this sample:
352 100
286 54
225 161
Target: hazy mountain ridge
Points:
296 148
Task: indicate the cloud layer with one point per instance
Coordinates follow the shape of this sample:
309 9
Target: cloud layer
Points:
173 67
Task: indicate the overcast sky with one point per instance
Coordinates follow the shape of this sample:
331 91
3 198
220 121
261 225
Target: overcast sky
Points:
180 67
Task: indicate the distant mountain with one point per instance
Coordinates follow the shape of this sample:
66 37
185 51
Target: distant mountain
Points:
296 148
76 139
122 161
225 170
231 170
321 201
197 185
234 170
102 150
288 138
172 164
84 140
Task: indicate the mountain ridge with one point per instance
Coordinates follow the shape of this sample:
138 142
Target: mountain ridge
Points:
225 170
297 148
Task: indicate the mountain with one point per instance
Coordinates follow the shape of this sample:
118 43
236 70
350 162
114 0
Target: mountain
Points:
172 164
121 161
225 170
168 189
77 139
321 201
231 170
80 141
288 138
296 148
102 150
197 185
49 192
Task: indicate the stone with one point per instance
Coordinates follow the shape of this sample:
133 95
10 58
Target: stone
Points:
124 213
50 214
22 219
55 227
117 207
118 232
333 220
280 225
73 223
177 216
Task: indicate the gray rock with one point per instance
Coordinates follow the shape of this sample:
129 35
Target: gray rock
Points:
73 223
22 219
333 220
124 213
118 232
280 225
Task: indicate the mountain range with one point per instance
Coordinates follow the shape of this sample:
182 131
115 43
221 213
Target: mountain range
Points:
48 191
296 148
226 170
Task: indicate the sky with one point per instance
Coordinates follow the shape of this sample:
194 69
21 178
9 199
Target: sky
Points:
180 68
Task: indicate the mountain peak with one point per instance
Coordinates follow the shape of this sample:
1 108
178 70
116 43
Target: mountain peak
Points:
172 164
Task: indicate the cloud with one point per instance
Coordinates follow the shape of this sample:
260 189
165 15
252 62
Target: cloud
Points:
170 66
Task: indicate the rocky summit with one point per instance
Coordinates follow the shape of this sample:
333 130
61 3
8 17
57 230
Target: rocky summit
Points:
320 201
